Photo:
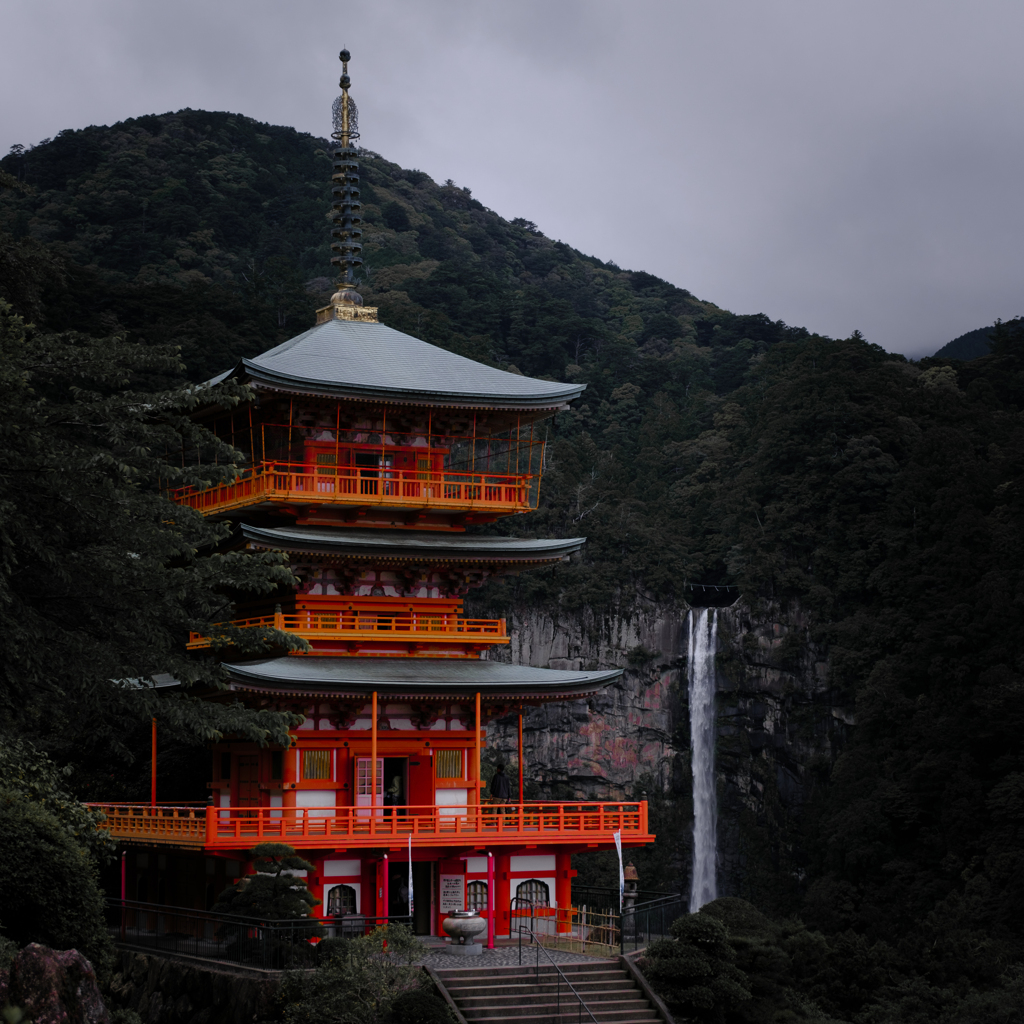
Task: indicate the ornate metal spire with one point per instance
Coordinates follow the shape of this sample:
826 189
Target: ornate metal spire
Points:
347 231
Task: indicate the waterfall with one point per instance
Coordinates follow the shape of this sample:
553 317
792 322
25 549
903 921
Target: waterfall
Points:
701 673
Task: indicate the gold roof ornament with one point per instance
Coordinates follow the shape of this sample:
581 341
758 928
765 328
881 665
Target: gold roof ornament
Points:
346 302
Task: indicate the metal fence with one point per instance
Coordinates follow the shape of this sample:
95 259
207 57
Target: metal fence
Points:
644 923
607 896
596 929
248 942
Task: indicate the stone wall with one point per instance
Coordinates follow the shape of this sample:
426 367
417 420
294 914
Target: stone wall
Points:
167 991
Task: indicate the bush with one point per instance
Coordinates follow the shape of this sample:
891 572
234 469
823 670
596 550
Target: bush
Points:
695 971
420 1007
363 985
49 890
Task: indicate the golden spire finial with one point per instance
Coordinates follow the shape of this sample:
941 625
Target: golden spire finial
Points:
347 231
346 302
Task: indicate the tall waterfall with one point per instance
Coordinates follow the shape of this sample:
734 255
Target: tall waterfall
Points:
701 672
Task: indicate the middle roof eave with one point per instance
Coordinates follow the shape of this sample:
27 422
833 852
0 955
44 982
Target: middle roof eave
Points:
410 544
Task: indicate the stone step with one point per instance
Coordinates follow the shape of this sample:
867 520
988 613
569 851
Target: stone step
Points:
521 995
472 996
579 965
570 1015
547 1005
514 975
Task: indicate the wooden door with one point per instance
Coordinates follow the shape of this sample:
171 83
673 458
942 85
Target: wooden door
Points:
249 781
364 785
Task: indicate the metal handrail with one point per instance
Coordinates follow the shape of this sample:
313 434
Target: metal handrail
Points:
259 942
561 976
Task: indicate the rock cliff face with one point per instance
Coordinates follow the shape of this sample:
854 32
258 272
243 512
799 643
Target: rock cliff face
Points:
778 728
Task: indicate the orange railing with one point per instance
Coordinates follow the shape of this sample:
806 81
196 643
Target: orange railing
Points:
498 824
377 621
300 482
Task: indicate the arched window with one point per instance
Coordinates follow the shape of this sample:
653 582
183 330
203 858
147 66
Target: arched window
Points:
476 896
534 891
341 900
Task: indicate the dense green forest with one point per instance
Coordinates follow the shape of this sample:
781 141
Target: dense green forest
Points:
972 345
882 495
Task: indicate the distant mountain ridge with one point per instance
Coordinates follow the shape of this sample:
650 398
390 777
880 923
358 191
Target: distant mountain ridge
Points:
214 228
972 345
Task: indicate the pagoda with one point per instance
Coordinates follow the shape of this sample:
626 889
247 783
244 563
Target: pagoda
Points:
370 453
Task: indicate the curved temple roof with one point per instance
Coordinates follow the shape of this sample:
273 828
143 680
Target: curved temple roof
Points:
358 359
410 545
415 677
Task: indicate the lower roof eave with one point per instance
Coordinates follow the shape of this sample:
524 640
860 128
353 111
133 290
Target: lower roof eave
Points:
414 679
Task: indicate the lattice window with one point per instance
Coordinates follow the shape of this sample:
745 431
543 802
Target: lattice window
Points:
316 764
534 891
476 896
364 779
341 899
325 463
448 764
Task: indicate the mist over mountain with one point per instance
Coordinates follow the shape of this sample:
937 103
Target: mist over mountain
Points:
869 506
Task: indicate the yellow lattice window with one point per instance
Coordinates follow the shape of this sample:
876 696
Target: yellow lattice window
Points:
448 764
316 764
325 463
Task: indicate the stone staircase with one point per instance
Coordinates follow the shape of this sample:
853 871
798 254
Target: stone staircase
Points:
516 995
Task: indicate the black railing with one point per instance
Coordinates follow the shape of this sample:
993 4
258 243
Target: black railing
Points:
647 922
524 924
248 942
606 897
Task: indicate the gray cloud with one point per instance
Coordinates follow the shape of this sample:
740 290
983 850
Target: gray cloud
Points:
838 164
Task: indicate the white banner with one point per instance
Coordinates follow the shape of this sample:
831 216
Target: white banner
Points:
622 878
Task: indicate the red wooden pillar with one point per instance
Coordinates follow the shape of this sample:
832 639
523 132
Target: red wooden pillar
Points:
563 889
503 893
492 918
373 756
289 776
382 888
521 796
368 887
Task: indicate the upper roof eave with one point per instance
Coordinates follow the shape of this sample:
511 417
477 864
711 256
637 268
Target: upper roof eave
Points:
374 362
417 545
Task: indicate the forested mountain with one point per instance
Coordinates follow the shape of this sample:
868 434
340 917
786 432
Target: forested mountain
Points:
883 497
972 345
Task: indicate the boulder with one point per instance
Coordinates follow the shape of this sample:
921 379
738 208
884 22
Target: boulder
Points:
56 987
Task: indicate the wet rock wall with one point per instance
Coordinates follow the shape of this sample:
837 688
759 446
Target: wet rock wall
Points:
779 730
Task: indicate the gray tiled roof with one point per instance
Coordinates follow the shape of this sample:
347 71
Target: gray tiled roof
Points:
415 676
368 360
411 544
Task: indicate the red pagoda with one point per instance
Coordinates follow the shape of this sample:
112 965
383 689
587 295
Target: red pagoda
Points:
371 453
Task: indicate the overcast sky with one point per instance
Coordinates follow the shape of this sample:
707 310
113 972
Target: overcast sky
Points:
837 164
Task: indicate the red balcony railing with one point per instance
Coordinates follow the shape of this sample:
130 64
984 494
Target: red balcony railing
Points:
198 826
299 483
376 622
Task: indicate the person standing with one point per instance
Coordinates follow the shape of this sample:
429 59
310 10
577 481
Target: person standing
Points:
501 788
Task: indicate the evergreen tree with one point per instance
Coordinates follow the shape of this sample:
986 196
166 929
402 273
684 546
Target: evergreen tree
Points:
275 892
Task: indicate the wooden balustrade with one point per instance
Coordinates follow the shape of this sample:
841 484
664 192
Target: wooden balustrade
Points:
305 484
199 826
377 622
